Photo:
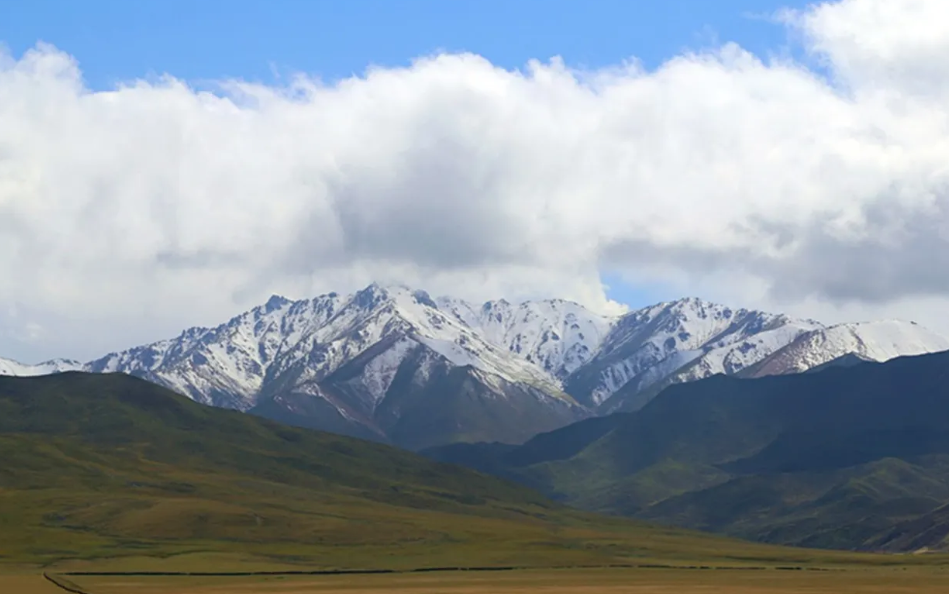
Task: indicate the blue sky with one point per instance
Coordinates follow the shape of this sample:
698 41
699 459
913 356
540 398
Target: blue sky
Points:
117 40
208 39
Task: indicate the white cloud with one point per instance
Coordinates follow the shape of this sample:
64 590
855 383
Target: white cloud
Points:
125 215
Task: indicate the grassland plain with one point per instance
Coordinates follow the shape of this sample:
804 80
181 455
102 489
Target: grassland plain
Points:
109 470
892 580
110 473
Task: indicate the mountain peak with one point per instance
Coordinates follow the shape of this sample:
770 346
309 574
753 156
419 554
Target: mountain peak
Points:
339 356
877 341
15 368
697 303
376 294
276 302
371 296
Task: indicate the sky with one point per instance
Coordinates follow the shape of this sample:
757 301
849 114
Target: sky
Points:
169 164
261 40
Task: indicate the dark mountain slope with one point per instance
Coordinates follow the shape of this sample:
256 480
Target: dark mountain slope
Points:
830 458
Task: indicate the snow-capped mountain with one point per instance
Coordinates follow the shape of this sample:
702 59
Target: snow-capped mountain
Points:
394 364
681 340
360 362
871 341
15 368
557 336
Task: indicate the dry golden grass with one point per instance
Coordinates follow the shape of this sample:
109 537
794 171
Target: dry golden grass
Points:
26 583
563 581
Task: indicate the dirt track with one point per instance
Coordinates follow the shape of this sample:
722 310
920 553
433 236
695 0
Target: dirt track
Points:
604 581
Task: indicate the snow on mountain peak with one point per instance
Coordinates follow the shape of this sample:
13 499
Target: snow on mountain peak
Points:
15 368
349 350
876 341
692 336
555 335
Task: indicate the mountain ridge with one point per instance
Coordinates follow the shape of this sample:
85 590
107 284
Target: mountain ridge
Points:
385 362
852 456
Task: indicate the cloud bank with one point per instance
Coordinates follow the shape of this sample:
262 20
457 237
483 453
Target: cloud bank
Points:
130 213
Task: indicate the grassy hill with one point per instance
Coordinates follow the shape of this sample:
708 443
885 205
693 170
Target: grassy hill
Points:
833 459
112 471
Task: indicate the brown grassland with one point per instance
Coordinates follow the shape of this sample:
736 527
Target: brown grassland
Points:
922 580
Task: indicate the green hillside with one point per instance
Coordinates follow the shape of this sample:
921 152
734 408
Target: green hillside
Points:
833 459
105 467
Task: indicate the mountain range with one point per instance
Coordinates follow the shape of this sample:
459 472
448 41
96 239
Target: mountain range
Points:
396 365
854 455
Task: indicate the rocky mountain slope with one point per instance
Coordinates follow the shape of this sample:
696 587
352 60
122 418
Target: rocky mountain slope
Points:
784 346
871 341
396 365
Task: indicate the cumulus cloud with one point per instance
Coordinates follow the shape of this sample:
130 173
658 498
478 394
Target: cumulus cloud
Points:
129 213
